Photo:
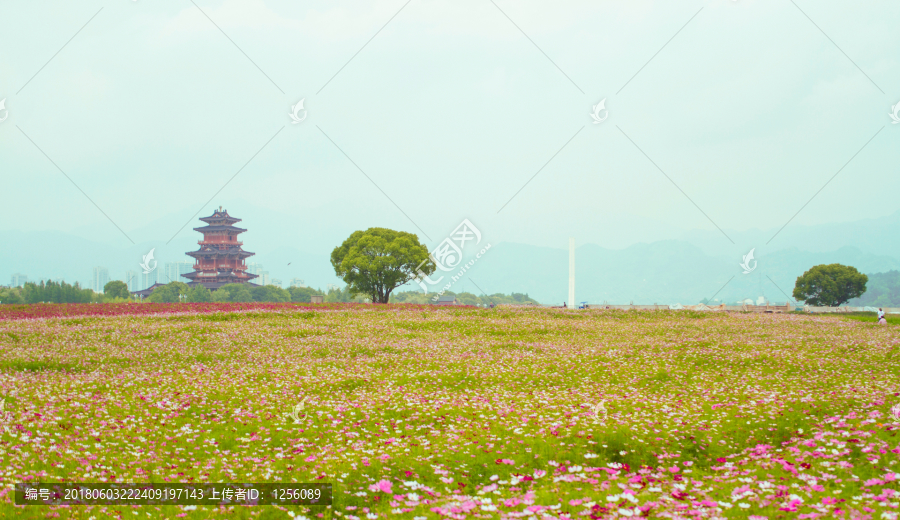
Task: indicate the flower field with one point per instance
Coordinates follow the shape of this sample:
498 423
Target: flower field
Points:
420 412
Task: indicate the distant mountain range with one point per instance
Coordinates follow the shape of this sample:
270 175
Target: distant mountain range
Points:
700 264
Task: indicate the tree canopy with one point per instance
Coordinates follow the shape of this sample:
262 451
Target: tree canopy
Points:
198 294
55 292
303 294
169 293
116 289
464 298
270 293
11 296
882 290
233 292
830 285
377 261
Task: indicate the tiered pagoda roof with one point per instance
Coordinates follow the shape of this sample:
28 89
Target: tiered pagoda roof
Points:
220 259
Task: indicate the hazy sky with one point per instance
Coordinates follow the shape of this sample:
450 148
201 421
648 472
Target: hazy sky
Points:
450 107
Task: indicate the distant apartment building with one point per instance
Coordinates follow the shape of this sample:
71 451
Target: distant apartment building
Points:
276 282
174 270
18 280
148 279
100 279
133 281
296 282
257 269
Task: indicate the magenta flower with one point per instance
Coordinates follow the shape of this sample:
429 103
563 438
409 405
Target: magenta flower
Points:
382 485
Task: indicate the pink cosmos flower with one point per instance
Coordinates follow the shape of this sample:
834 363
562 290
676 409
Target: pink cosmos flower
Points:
382 485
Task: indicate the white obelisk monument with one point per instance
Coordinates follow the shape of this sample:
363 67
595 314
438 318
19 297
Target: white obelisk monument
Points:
572 273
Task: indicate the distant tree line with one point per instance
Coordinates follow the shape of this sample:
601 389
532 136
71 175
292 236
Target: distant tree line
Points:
235 292
49 291
177 291
883 290
464 298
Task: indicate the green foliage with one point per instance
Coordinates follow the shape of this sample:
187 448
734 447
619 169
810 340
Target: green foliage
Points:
116 289
31 365
169 293
464 298
11 296
344 295
55 293
181 287
377 261
830 285
871 317
882 290
233 292
198 294
270 293
302 294
163 294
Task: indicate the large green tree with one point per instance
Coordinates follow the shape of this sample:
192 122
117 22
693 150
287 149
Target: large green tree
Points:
116 289
376 261
232 292
830 285
169 293
198 293
303 294
11 296
269 293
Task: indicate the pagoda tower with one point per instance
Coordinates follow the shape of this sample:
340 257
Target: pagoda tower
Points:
220 259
